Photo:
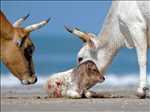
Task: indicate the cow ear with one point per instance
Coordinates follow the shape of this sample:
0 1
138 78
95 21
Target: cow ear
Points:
91 44
19 41
92 40
20 36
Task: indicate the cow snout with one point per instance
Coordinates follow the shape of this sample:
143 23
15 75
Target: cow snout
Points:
29 81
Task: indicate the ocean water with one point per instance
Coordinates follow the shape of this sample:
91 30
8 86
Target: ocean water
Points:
56 53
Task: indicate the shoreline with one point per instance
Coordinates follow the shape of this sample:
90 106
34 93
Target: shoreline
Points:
34 99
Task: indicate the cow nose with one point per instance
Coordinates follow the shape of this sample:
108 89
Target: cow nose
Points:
27 82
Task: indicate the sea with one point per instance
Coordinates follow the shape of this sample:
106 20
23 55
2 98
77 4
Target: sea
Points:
57 53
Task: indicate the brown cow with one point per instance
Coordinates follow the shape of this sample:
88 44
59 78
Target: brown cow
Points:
17 48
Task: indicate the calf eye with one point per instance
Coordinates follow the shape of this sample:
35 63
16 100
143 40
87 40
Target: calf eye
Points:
80 59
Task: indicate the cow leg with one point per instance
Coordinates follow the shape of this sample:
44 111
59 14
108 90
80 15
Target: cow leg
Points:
142 60
139 37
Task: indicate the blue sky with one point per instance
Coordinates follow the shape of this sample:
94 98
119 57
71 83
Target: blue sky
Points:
53 39
88 15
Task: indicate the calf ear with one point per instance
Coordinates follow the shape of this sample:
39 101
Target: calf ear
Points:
91 66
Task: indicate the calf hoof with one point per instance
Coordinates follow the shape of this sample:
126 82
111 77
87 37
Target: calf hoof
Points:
141 92
88 94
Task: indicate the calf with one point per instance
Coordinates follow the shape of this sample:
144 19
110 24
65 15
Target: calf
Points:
74 83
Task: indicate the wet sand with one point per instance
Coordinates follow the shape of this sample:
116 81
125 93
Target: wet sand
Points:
34 99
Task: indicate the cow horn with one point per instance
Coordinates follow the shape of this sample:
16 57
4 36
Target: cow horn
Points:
37 25
76 31
19 21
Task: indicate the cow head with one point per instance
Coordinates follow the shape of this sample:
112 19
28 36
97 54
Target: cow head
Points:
89 50
94 49
17 48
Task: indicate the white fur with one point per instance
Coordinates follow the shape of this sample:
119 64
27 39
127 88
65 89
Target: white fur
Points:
73 94
68 88
65 77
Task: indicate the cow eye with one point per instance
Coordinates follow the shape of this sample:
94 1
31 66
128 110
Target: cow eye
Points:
80 59
19 42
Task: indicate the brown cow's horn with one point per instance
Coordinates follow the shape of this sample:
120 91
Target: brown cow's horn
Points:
19 21
37 25
76 31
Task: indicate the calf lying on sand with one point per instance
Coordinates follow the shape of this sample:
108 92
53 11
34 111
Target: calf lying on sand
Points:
74 83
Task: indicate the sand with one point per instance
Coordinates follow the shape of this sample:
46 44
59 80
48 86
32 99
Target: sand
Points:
34 99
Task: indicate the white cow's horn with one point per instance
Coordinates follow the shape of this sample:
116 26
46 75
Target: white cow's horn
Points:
76 31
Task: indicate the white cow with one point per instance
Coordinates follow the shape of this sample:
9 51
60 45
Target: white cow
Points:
127 25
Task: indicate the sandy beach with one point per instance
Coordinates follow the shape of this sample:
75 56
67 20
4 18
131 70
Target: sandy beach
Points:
34 99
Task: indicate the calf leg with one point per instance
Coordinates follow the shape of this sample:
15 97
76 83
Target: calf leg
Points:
73 94
92 94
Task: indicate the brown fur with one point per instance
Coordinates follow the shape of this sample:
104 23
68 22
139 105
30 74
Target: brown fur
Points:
86 75
18 59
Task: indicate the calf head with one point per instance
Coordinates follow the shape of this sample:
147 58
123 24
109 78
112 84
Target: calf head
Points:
84 77
17 48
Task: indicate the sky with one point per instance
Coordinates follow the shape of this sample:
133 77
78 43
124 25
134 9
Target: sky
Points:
87 15
52 40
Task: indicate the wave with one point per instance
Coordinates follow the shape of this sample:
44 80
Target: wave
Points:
111 80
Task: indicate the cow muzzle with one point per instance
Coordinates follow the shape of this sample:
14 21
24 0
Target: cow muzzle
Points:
29 81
